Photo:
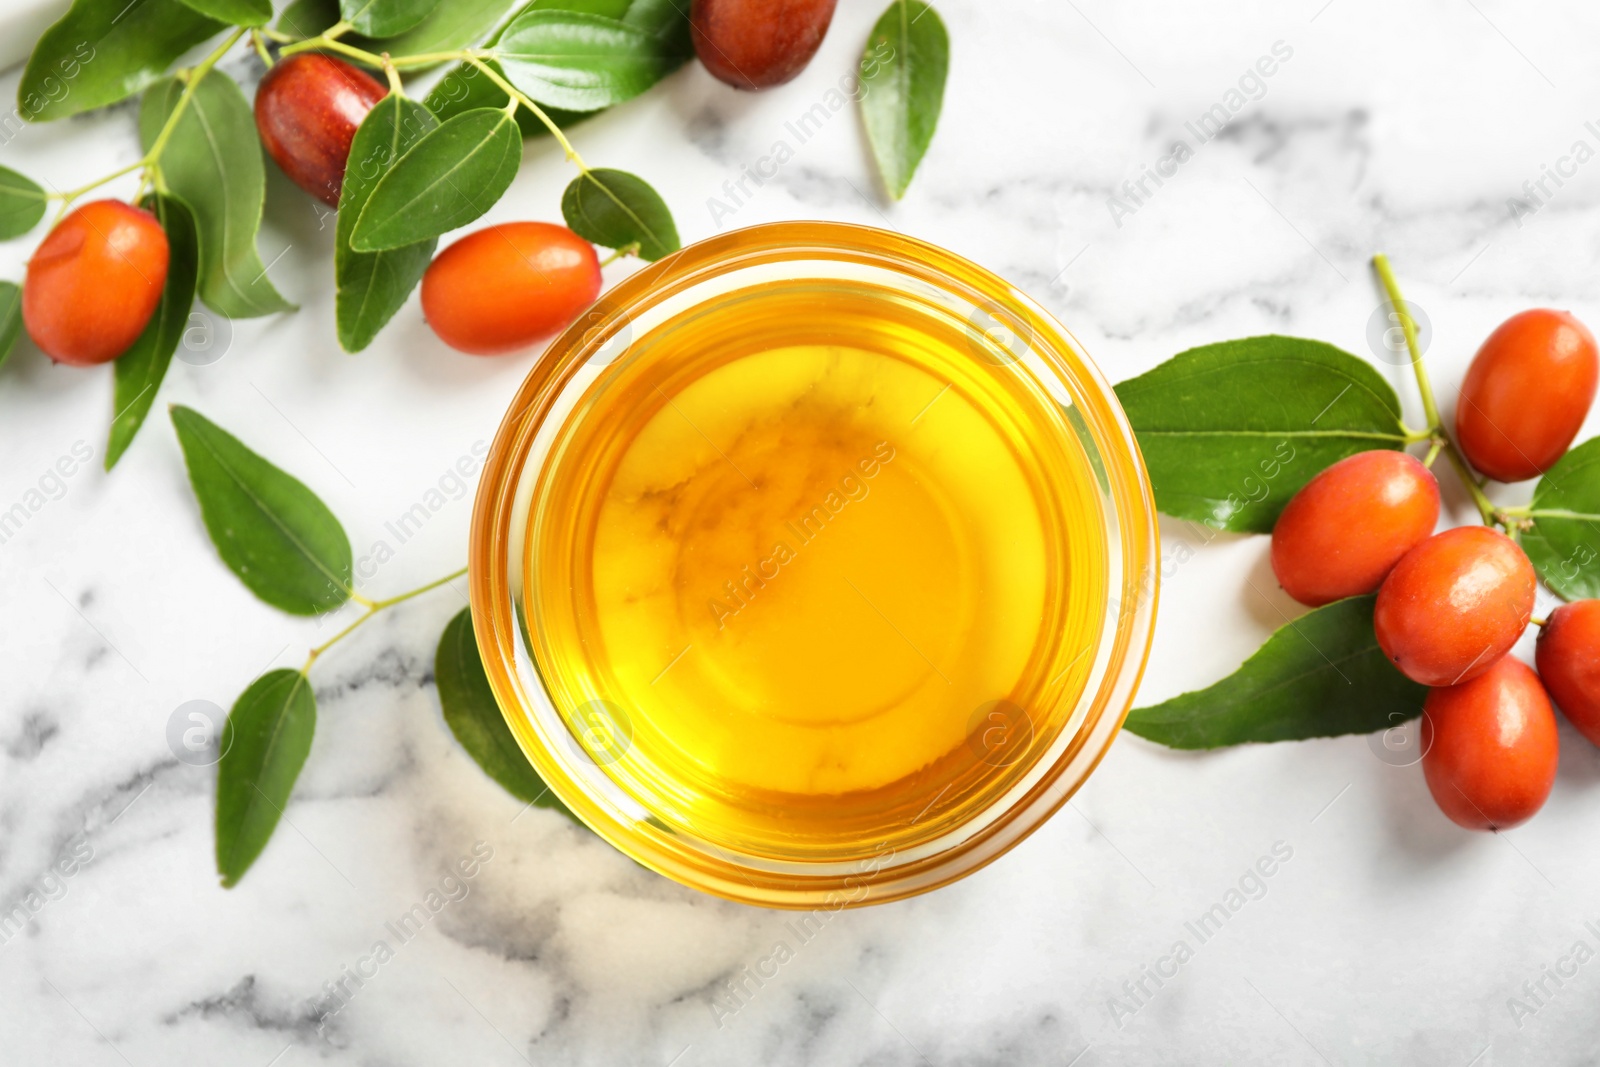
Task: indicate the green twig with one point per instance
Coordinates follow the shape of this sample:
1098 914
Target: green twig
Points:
72 194
389 602
260 45
1441 438
461 55
150 160
335 639
519 97
1485 506
190 80
373 607
328 42
630 249
393 75
1408 326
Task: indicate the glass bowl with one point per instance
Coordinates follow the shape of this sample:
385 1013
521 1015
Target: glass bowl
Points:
577 749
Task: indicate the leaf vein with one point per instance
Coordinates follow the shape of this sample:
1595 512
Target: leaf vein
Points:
334 579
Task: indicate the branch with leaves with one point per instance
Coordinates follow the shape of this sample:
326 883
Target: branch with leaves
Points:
1231 432
414 176
278 537
411 171
418 168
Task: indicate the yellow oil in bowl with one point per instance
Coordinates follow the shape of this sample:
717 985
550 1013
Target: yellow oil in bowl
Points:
815 560
811 574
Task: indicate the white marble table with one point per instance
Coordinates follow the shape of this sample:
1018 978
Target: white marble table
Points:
1385 936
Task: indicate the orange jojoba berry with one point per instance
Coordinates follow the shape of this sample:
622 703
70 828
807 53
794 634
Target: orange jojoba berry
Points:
1345 530
1454 605
1490 747
507 286
94 282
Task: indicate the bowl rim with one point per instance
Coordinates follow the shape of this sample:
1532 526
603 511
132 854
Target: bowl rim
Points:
1129 624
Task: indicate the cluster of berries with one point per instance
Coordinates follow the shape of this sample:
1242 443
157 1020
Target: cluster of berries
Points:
1451 605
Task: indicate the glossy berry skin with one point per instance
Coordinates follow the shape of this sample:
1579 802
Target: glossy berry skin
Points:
94 282
1345 530
1490 747
1454 605
1526 394
756 44
1569 662
307 111
504 287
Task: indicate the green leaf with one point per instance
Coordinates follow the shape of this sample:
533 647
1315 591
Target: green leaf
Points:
1319 676
466 88
473 715
22 204
903 70
140 369
264 744
652 15
1564 543
10 318
584 62
308 18
235 12
1231 431
667 20
452 24
662 17
385 18
451 176
615 209
102 51
371 286
273 532
213 164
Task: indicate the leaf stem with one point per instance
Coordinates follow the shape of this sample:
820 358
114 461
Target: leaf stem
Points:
630 249
425 59
519 97
1430 408
391 73
335 639
1485 506
325 42
390 602
72 194
373 607
1408 326
148 162
190 79
260 45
